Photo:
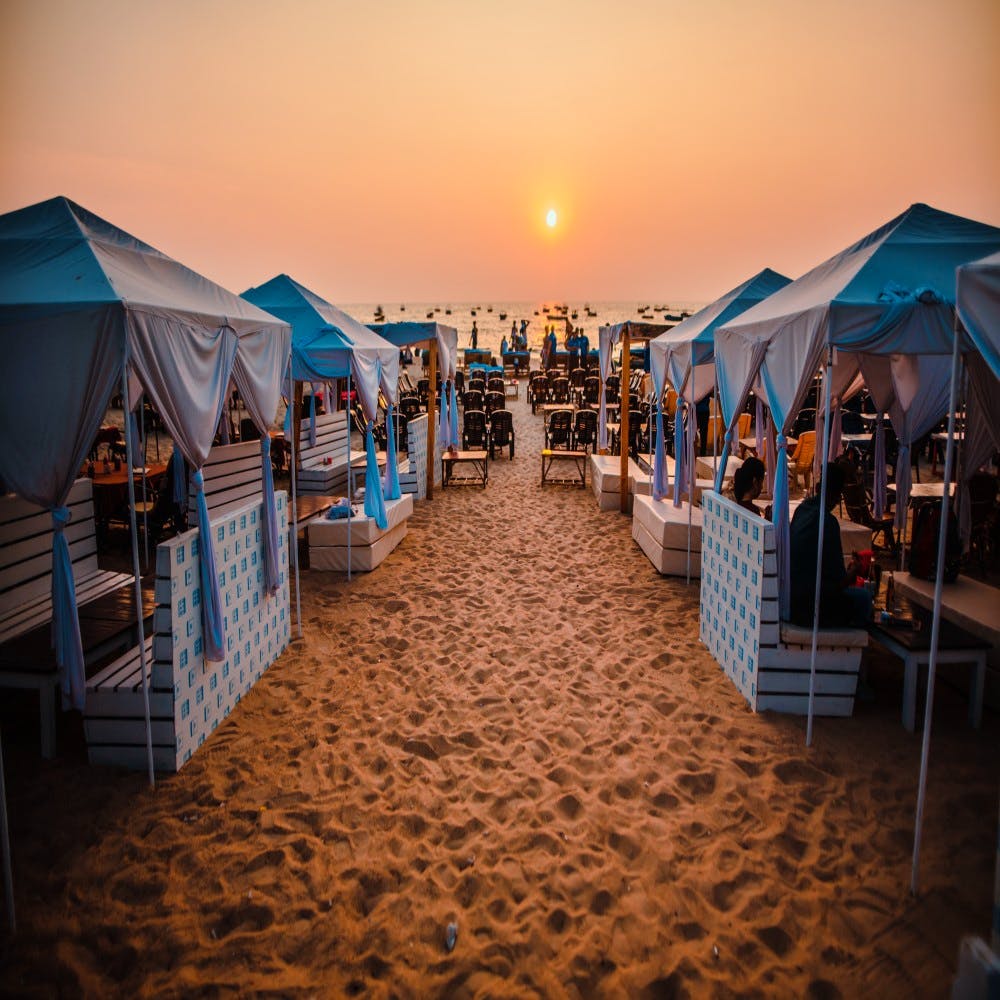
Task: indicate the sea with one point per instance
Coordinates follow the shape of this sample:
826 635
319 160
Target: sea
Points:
494 319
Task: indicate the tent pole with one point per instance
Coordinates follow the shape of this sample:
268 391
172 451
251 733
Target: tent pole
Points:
691 483
431 411
295 402
8 876
623 418
145 453
824 486
714 410
350 485
135 572
925 748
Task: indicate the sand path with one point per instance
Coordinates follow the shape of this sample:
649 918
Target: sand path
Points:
511 726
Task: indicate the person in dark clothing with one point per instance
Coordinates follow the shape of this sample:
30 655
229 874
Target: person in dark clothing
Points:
748 483
840 603
474 338
702 411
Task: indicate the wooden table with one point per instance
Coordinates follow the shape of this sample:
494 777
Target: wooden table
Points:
749 444
552 455
479 460
955 645
111 489
546 408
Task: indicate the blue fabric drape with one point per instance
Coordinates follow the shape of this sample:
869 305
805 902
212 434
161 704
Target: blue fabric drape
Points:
272 576
758 425
312 416
781 523
287 425
65 618
680 453
444 426
374 502
390 484
904 479
879 486
772 447
178 472
453 417
661 483
720 472
133 431
213 639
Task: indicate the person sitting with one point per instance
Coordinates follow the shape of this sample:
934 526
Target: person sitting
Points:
748 483
840 602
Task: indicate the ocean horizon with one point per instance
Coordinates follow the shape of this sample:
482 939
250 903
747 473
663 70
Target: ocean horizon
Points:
486 314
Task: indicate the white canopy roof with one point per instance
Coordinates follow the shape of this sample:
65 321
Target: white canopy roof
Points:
978 302
73 288
685 355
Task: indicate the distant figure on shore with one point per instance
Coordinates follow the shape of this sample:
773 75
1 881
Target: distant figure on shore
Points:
503 346
522 340
748 483
474 339
513 333
840 602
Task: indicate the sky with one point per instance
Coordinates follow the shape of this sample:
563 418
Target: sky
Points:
410 151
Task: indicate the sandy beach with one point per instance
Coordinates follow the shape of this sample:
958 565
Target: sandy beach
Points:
511 727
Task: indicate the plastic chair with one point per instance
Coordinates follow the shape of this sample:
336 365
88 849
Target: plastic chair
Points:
494 401
501 431
560 389
472 399
559 429
801 461
474 435
585 430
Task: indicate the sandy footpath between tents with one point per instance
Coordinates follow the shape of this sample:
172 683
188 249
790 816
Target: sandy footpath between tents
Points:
510 726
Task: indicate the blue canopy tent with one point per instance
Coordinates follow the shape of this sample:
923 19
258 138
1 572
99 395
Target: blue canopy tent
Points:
685 357
92 307
886 306
442 342
328 344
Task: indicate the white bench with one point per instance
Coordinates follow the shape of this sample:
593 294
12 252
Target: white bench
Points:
26 559
767 660
323 466
605 480
661 530
26 591
369 544
189 695
413 475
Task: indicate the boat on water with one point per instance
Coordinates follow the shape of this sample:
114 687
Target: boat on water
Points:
447 312
573 314
473 311
437 309
489 309
430 315
379 315
503 315
642 309
402 309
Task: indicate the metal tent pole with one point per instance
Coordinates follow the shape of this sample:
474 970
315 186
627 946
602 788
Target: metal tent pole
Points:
138 582
925 747
293 403
827 380
8 876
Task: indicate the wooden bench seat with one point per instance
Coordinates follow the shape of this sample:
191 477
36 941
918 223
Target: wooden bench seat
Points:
26 560
323 466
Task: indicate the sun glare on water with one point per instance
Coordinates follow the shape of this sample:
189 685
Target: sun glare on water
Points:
551 218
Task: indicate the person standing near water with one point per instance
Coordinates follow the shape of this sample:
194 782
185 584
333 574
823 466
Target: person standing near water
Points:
474 339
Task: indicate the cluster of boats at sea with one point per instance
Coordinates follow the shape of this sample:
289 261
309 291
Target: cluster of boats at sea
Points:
554 311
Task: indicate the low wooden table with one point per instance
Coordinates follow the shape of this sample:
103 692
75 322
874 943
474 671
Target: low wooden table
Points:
551 455
479 460
955 645
546 408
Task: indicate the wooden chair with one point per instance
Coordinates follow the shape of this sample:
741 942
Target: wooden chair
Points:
857 503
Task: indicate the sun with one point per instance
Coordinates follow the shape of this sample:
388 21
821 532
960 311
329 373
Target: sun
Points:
551 218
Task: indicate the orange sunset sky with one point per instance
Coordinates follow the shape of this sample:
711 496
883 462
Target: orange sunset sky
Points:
409 151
